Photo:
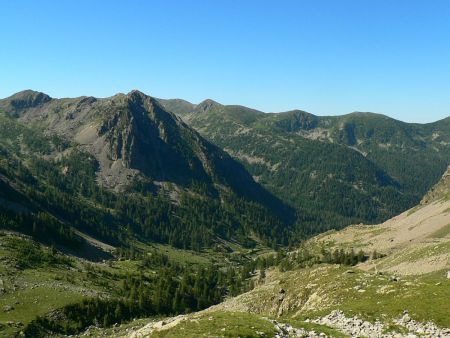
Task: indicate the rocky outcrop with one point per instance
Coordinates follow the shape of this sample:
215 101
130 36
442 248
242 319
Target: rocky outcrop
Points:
288 331
428 329
161 325
352 326
357 327
137 134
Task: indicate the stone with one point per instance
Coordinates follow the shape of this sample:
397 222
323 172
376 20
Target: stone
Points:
7 308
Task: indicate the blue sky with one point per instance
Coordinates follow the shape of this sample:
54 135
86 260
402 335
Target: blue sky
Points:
326 57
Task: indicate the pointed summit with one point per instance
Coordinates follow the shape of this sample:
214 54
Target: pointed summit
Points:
136 93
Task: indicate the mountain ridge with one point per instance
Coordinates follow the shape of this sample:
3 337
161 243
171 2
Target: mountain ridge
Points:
174 103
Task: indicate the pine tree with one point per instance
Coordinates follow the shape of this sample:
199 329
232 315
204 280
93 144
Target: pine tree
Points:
262 274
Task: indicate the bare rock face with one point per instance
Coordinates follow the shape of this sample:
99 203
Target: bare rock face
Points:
137 132
129 135
119 130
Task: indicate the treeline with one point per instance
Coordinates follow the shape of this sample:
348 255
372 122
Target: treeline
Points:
307 257
40 226
341 256
27 254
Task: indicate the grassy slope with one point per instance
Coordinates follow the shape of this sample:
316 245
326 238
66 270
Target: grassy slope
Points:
314 292
37 289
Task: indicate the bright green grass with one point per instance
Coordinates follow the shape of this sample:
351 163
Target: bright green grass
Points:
330 332
30 303
183 256
221 324
425 297
35 302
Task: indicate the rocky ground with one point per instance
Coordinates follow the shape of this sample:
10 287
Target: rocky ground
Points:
403 327
288 331
356 327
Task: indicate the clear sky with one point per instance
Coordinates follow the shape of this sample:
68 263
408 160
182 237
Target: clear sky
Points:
326 57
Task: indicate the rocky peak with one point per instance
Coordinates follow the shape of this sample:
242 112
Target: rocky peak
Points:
137 132
137 95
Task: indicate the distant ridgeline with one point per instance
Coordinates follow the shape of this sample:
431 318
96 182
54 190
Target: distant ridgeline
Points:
334 170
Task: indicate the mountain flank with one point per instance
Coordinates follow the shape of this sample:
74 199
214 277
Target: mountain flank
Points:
137 169
355 168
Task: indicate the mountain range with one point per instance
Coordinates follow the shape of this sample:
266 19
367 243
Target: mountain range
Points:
334 170
130 168
306 174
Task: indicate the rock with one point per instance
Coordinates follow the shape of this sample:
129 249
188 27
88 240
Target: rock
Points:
406 318
7 308
356 327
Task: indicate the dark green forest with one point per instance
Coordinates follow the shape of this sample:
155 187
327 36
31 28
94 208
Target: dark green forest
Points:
334 170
